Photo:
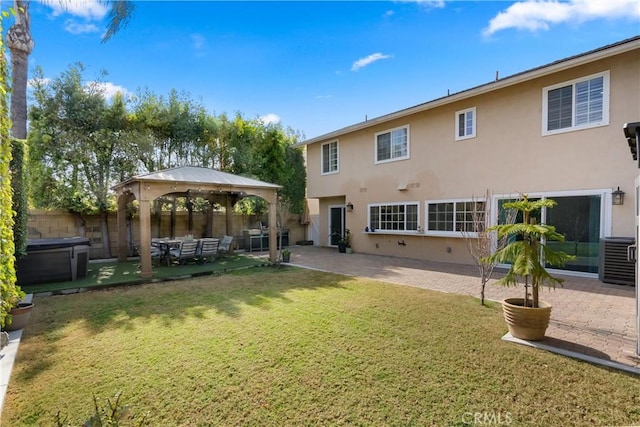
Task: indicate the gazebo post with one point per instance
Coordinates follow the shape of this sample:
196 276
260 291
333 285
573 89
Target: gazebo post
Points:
273 232
229 214
145 239
123 250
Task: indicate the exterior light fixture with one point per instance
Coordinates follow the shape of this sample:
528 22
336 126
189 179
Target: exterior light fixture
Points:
618 197
349 207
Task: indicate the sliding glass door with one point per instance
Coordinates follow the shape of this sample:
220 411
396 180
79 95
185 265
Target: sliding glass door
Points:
578 219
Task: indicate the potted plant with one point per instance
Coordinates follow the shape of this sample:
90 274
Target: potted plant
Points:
286 255
344 242
19 316
527 253
14 313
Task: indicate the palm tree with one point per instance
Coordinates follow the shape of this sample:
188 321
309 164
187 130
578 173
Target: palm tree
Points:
20 44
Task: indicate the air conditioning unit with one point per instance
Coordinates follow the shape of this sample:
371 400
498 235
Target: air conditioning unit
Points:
617 260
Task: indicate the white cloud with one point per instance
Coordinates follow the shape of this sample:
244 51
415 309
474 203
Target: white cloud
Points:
431 4
198 41
88 9
536 15
363 62
270 118
76 28
31 83
108 89
427 4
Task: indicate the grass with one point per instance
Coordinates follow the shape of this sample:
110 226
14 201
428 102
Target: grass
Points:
106 274
286 346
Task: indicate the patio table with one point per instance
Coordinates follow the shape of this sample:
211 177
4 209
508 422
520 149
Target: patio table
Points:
165 246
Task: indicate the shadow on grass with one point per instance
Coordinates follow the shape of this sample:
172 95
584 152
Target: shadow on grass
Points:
174 301
169 302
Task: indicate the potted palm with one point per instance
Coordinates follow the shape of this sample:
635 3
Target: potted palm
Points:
527 253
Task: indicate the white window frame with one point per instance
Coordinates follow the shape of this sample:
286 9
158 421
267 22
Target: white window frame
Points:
337 169
453 232
405 231
474 122
605 104
392 159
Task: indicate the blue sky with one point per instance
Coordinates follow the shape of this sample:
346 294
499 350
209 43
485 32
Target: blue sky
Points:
320 66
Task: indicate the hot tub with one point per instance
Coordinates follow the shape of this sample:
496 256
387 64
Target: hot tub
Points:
54 260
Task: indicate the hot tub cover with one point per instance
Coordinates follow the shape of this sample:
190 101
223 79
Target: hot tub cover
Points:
34 245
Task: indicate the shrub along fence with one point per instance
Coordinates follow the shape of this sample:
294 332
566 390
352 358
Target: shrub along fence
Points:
57 223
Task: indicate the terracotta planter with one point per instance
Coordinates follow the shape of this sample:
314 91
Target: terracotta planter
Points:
19 317
526 323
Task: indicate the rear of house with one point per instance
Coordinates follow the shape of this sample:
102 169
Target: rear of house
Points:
404 183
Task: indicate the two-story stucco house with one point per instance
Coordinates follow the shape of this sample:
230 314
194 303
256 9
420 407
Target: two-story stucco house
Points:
403 183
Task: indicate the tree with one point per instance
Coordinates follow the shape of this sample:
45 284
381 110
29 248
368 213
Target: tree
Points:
20 44
20 197
529 252
480 240
80 147
10 293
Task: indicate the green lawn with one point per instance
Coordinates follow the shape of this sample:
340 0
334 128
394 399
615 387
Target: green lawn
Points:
288 347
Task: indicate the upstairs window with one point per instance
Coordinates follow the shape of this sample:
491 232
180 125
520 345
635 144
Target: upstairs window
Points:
392 145
466 124
578 104
330 157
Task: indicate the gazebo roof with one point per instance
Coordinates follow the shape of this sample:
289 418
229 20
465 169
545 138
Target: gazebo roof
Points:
198 175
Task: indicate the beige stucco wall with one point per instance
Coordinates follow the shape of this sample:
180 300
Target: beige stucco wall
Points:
508 155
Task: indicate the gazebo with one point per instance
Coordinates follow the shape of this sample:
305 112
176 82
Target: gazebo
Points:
187 180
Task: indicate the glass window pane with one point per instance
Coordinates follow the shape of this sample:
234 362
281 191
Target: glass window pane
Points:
384 146
578 219
559 107
589 101
461 125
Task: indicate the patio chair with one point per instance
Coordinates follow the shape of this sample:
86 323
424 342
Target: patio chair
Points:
208 249
226 245
186 252
156 255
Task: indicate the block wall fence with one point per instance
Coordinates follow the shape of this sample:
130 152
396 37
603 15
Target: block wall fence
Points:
57 223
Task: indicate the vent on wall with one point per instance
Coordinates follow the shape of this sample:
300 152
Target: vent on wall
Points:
616 266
